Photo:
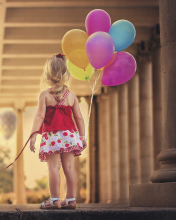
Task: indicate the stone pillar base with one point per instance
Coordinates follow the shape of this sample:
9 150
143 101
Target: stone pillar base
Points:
153 195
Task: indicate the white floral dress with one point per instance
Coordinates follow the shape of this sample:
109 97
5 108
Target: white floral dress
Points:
60 141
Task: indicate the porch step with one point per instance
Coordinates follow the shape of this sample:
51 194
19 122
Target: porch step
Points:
91 211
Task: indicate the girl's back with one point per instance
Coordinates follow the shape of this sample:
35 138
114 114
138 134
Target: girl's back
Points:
50 100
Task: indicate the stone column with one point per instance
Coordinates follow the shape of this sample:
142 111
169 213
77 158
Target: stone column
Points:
146 118
134 130
123 143
157 99
163 189
96 150
114 146
104 149
19 183
167 157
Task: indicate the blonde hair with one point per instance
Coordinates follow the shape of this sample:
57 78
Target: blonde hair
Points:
56 75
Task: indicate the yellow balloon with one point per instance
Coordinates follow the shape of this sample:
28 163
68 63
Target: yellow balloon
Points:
79 58
79 73
74 47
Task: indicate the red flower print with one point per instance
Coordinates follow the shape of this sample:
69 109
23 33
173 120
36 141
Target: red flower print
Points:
71 135
78 144
42 144
42 151
65 134
50 152
58 141
67 145
53 143
61 148
54 132
72 131
45 136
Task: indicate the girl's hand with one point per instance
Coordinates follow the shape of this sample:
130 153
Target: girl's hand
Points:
84 143
83 139
32 143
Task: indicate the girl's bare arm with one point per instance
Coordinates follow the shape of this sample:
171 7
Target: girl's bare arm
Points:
38 120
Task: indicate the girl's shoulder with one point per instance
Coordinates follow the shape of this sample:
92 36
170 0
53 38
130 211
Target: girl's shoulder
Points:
71 98
44 92
71 93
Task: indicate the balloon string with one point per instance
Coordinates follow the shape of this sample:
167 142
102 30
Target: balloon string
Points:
97 89
89 114
95 82
92 87
88 79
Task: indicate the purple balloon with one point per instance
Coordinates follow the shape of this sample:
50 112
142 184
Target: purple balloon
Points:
97 20
100 49
120 69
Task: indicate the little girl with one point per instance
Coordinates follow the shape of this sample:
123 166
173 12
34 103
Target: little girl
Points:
61 141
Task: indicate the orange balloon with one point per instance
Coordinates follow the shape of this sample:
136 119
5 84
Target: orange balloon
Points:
74 47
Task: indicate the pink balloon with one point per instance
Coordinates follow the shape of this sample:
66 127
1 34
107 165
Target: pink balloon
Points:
97 20
120 70
100 49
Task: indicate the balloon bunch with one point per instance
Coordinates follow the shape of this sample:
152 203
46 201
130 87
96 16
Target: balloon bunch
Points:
101 48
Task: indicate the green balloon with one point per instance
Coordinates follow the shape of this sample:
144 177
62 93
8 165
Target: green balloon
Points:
79 73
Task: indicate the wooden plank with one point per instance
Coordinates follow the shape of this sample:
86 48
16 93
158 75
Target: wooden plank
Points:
22 73
52 35
90 3
54 41
19 95
21 84
22 67
138 16
32 49
15 55
41 24
24 62
20 78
